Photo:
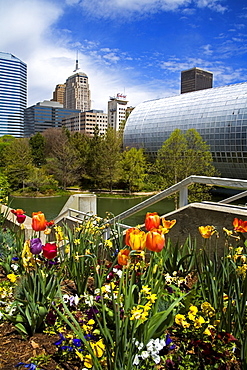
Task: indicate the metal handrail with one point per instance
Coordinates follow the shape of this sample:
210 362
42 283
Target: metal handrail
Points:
182 187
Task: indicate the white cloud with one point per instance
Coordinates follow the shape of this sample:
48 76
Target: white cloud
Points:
30 34
127 8
207 49
212 4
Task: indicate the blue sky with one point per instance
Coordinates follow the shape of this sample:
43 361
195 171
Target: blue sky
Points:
136 47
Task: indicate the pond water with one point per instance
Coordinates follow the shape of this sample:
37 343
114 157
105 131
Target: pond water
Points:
51 207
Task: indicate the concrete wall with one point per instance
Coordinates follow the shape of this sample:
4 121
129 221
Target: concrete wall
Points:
190 217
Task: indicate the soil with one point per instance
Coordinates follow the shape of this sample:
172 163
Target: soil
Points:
15 349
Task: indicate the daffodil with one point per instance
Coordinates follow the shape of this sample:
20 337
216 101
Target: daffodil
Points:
207 231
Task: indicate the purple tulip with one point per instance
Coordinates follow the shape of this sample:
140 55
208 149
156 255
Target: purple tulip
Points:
35 245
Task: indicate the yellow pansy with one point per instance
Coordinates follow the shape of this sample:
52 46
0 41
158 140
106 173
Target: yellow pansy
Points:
198 322
12 277
98 348
88 362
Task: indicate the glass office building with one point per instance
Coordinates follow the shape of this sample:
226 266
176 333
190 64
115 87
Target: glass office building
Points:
44 115
218 114
13 95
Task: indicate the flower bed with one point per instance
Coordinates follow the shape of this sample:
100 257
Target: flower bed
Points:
126 302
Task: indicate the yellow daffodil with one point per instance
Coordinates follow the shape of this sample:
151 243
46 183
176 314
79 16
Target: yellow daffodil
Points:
145 289
207 231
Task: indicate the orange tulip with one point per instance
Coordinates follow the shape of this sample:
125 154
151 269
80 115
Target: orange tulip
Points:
152 221
127 235
38 221
123 256
240 225
137 240
206 231
155 240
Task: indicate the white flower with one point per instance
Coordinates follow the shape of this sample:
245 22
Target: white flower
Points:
136 360
118 272
66 298
14 266
144 355
156 359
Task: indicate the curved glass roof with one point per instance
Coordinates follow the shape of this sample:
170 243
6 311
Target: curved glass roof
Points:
218 114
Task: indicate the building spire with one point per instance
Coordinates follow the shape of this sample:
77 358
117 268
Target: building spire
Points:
76 63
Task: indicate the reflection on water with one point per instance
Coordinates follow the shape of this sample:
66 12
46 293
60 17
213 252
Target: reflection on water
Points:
52 206
117 206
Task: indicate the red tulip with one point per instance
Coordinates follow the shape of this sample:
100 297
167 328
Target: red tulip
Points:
38 221
21 218
152 221
19 215
49 250
240 225
155 241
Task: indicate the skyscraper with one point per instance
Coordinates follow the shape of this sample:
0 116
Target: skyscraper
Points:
58 93
77 93
195 79
13 95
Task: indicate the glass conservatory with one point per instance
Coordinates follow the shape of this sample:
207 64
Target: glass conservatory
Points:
218 114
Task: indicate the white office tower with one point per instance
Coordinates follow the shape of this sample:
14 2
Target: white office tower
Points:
117 111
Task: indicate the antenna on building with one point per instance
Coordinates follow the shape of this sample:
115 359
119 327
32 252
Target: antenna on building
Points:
76 63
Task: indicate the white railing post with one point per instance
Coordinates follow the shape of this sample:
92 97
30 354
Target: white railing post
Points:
183 196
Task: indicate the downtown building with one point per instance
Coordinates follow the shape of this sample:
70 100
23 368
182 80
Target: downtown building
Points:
13 95
87 122
45 115
77 92
195 79
219 115
117 107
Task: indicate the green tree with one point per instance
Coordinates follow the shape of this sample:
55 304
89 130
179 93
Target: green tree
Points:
18 162
111 157
183 155
81 144
40 181
94 166
63 158
5 141
4 188
37 144
133 166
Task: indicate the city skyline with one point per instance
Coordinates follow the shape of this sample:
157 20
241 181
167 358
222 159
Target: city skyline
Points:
138 48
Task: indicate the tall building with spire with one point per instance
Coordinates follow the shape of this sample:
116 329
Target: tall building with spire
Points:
77 93
13 95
